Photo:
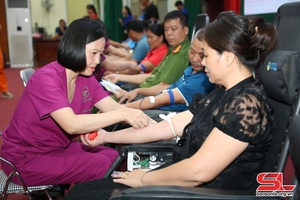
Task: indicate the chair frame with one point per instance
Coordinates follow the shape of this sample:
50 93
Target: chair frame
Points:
8 188
294 149
200 21
177 192
5 191
181 192
24 75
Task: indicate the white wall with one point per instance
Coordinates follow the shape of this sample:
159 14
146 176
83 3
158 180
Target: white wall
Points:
50 19
171 5
77 9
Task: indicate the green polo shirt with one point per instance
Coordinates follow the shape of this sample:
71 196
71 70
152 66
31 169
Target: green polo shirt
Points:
171 67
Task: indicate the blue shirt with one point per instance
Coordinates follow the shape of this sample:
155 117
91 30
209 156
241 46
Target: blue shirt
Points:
130 43
126 19
59 32
141 49
185 12
188 85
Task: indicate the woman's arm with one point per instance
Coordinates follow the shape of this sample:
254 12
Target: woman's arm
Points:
129 96
108 104
151 133
117 65
118 44
117 52
134 79
160 100
112 113
154 90
216 153
144 67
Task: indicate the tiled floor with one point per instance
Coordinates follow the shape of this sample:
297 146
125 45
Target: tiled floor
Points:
7 106
18 197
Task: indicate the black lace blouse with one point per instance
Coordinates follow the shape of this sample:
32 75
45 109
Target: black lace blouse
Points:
242 112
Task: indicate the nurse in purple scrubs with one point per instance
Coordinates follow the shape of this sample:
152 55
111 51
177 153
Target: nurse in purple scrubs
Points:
55 108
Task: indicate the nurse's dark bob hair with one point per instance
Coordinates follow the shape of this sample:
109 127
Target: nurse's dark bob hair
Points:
71 52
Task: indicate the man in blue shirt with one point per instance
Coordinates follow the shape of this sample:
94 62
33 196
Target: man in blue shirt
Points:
179 5
190 83
178 96
135 29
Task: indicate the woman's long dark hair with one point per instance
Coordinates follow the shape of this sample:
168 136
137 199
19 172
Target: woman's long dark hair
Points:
128 10
249 38
92 7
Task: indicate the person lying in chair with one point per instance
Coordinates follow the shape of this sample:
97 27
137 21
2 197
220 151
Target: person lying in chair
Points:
225 136
173 64
158 49
178 96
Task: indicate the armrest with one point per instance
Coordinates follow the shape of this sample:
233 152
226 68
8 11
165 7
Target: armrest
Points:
165 147
158 152
162 146
122 155
178 193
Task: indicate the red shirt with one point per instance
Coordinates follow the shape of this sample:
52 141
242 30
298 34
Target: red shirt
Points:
94 16
155 56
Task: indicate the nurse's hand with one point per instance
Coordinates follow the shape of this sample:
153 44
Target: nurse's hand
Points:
136 118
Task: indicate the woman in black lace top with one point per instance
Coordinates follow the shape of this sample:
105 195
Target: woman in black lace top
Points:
225 136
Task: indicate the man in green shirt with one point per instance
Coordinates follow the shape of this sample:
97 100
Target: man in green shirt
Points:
172 66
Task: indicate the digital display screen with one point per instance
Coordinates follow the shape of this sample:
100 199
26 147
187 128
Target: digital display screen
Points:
254 7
